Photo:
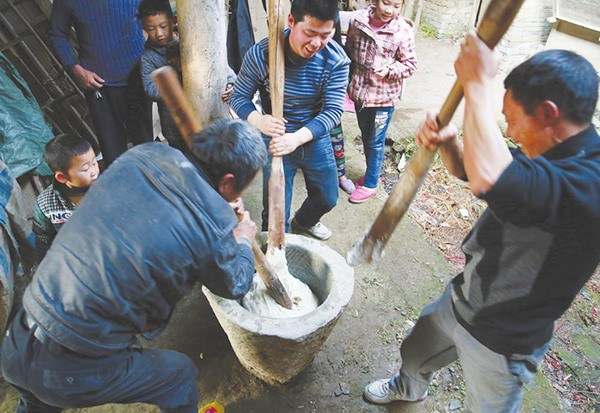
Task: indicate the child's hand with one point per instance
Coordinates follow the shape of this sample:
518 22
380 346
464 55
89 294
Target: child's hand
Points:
383 71
226 95
430 135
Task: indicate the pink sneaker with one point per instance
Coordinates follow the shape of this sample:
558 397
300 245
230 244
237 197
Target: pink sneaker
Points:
362 194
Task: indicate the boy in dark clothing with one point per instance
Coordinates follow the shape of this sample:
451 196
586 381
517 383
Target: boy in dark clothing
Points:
158 22
73 162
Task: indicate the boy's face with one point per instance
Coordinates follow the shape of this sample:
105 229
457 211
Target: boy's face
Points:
309 36
386 10
159 28
83 171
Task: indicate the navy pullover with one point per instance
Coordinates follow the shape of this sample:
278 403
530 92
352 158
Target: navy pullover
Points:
109 34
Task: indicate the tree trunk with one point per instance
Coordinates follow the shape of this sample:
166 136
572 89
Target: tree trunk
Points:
203 36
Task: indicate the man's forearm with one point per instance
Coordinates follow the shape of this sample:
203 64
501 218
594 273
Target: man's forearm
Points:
304 135
485 152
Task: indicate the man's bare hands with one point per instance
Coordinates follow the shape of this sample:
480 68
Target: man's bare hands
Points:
430 135
284 145
476 63
246 228
86 78
270 125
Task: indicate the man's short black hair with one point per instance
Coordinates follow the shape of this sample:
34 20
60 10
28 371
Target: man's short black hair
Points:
323 10
153 7
59 152
561 76
230 146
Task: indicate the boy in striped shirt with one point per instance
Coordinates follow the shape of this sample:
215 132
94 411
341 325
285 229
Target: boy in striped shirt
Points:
316 75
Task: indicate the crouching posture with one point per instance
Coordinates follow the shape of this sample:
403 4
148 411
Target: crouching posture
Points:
153 225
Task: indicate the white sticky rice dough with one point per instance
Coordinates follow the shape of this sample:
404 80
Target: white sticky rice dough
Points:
260 302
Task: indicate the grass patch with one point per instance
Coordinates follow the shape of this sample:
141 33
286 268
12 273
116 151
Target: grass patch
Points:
540 397
428 31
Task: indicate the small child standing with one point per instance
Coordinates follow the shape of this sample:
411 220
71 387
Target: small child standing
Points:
381 47
162 49
73 163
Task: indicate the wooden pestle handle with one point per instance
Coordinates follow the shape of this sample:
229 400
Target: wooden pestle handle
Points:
276 202
174 97
496 21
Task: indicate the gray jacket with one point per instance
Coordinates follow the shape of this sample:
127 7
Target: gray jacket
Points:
148 229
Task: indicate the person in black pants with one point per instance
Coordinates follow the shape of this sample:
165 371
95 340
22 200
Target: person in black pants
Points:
110 44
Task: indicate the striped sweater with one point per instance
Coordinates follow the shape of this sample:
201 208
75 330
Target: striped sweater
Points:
314 88
108 32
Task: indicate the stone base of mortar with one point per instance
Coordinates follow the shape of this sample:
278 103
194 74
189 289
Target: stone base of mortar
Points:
276 350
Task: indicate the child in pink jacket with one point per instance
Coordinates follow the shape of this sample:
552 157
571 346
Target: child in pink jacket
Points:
381 47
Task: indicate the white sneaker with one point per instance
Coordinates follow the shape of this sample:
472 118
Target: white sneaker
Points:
380 392
318 231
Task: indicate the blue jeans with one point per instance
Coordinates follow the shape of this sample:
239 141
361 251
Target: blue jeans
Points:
50 377
317 163
494 381
373 124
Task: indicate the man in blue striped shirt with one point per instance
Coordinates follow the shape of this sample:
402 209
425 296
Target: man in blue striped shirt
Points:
110 45
316 75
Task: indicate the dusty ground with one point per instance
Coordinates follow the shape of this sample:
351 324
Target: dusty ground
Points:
421 257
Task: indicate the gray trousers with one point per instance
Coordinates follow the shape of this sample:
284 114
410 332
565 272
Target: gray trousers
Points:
494 381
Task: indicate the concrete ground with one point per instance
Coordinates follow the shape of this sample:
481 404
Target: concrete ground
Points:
387 299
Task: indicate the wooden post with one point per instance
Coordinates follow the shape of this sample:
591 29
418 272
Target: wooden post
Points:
276 235
203 37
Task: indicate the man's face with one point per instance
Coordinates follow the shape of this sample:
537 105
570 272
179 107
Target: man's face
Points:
524 128
386 10
159 29
309 36
83 171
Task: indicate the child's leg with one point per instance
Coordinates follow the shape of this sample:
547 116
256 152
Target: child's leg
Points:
337 140
374 123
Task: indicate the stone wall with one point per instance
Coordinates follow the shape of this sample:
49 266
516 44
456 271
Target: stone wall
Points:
447 18
528 33
452 18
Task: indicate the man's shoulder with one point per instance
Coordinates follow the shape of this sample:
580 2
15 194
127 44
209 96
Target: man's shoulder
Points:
260 49
334 55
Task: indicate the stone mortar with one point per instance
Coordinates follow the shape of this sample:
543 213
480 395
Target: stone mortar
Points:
277 349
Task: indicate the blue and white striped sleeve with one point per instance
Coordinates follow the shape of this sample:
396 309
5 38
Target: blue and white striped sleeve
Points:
333 102
249 79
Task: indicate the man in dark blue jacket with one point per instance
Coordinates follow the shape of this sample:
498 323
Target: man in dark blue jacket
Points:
117 269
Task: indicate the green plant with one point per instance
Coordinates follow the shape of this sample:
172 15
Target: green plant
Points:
428 30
